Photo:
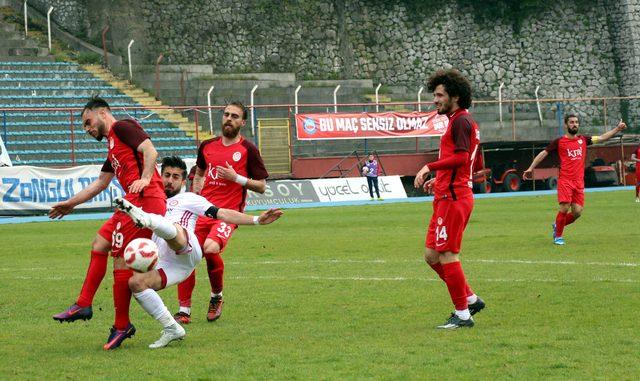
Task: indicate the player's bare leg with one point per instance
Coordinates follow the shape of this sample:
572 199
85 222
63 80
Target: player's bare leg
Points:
215 268
144 286
81 309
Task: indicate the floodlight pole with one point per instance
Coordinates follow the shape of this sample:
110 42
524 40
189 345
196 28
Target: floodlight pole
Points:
500 101
209 109
26 27
253 127
49 26
377 99
538 104
335 99
129 57
295 97
419 94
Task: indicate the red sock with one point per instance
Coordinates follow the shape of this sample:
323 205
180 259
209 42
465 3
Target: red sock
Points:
437 267
456 283
560 218
95 274
121 297
569 219
185 290
637 190
215 267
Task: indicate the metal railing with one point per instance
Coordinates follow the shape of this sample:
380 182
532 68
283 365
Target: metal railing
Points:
530 119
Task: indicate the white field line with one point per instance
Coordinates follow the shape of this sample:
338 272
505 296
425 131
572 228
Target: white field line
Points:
382 261
366 279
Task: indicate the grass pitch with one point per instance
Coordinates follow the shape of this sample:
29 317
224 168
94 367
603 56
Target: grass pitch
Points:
342 293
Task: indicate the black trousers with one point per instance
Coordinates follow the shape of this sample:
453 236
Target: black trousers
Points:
373 182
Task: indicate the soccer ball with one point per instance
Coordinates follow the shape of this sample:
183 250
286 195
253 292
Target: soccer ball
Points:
141 255
365 170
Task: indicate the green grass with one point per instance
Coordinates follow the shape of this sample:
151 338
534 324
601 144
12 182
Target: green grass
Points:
342 293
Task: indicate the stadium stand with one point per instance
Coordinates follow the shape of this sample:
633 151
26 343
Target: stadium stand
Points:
31 80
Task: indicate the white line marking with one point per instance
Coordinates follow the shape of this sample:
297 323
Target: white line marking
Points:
382 261
371 279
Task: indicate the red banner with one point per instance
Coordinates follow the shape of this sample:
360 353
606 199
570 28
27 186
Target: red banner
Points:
368 125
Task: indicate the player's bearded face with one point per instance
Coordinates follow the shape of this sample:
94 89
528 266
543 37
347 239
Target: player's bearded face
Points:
232 121
172 180
442 100
572 126
94 125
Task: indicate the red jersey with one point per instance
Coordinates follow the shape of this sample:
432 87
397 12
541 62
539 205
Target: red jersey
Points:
637 152
126 162
245 159
572 154
462 135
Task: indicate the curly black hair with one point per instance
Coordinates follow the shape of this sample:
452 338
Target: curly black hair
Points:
454 83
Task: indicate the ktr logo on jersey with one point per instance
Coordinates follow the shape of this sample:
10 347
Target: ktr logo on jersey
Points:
574 153
212 172
115 164
237 156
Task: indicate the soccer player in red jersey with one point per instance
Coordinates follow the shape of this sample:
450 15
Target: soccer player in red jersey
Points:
227 166
131 157
453 196
635 156
572 151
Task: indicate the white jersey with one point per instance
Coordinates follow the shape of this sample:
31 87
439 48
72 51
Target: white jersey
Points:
184 209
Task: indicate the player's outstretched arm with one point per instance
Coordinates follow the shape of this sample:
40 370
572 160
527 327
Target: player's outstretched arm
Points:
528 174
634 158
238 218
609 134
61 209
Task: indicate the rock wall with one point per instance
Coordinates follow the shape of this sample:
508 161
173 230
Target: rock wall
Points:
568 50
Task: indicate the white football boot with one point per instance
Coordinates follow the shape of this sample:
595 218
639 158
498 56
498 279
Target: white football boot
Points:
139 217
169 334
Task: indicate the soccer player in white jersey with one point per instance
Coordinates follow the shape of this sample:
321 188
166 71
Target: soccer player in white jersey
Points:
179 250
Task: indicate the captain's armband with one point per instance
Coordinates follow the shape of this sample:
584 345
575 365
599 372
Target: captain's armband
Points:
212 212
595 139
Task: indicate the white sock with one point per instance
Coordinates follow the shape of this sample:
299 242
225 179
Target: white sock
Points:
214 295
464 314
162 227
472 299
186 310
151 302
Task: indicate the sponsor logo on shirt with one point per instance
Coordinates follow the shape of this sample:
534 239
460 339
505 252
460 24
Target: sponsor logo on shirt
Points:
574 153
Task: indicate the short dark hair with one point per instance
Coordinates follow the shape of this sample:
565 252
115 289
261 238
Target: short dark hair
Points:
454 83
174 162
94 103
241 106
569 116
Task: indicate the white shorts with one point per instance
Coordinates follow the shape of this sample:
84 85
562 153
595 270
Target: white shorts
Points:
176 267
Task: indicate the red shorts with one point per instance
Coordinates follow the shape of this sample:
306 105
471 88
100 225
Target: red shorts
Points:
447 224
570 192
216 230
120 229
637 176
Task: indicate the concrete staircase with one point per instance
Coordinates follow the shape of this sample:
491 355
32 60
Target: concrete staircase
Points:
39 101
